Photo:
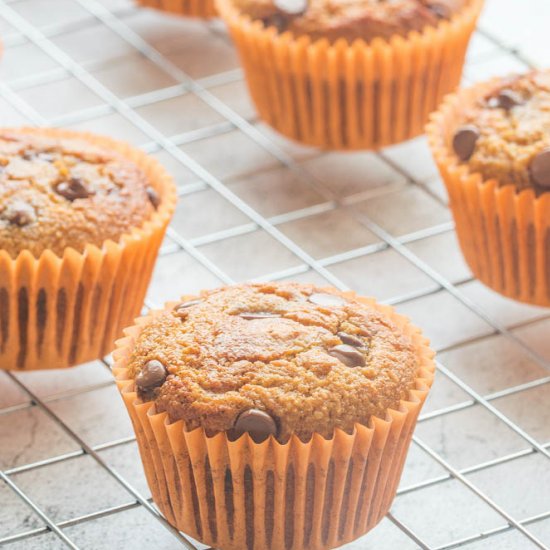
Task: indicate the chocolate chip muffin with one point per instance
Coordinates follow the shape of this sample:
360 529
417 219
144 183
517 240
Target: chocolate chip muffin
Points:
273 359
491 143
66 193
350 74
349 19
505 134
274 415
82 218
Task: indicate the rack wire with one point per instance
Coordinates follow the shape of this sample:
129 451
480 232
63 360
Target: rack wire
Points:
501 526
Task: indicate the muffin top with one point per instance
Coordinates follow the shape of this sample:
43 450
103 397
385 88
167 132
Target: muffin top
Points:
349 19
60 193
505 134
275 358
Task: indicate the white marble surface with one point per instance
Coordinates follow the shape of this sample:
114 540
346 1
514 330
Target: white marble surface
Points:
401 192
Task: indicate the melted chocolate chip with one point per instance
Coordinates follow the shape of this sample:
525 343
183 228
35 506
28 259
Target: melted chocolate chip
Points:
20 213
464 141
508 99
181 309
441 11
540 168
276 20
291 7
351 339
73 189
250 316
152 375
323 299
348 355
258 424
153 197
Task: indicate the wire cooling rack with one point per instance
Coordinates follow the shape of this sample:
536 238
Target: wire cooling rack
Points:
254 206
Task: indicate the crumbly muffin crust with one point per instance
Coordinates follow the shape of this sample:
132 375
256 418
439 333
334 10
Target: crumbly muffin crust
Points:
505 135
353 19
312 359
60 193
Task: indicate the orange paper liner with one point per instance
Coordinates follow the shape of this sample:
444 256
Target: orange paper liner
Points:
56 311
504 235
236 495
358 96
190 8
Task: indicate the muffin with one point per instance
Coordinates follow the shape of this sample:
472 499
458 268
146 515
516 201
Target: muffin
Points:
274 415
492 145
349 19
191 8
350 74
81 222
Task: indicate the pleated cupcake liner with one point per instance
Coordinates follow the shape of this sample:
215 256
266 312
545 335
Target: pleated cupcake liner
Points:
350 96
236 495
57 312
190 8
504 234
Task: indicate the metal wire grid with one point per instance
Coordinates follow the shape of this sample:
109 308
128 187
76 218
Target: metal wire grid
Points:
158 142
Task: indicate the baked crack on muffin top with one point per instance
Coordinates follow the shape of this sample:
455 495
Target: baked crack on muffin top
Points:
274 358
60 193
505 135
350 19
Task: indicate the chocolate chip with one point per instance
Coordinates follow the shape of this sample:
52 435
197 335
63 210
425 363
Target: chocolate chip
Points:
20 213
323 299
348 355
464 141
351 339
153 197
73 189
181 309
508 99
291 7
540 168
250 316
152 375
276 20
441 11
258 424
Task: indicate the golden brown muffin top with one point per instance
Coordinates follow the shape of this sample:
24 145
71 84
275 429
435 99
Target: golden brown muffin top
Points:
505 134
60 193
273 358
350 19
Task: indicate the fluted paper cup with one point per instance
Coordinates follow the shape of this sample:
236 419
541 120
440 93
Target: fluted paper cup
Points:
190 8
236 495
